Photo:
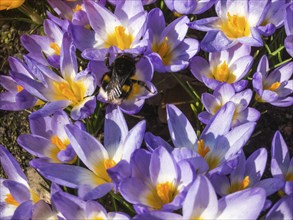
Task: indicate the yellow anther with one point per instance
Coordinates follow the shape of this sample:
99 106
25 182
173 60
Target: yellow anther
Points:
274 86
119 38
19 88
235 26
245 182
201 148
59 143
223 74
109 163
77 8
10 200
164 50
166 192
55 47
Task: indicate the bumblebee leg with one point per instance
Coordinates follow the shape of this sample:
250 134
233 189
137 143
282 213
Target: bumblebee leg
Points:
107 60
142 84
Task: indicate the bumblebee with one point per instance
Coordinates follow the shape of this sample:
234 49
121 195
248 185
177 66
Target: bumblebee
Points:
117 83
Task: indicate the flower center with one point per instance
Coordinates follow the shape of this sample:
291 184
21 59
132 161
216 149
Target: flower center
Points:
77 8
274 86
201 148
10 200
56 48
109 163
237 186
59 143
235 26
222 73
289 177
19 88
164 50
73 91
119 38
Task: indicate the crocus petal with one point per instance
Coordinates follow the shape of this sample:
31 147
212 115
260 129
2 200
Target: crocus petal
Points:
41 126
11 167
270 185
36 145
280 150
163 167
282 209
115 129
156 21
133 140
199 66
82 37
42 210
19 191
67 175
89 149
255 165
238 137
153 142
248 201
84 109
23 211
182 133
220 124
158 215
68 63
70 206
50 108
215 41
201 200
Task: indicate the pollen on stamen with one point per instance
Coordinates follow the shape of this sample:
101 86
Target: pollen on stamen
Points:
222 73
164 50
235 26
77 8
274 86
201 148
119 38
56 48
10 200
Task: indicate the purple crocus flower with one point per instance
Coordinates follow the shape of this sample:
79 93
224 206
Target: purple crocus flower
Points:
72 89
73 11
190 7
202 203
49 45
274 17
134 101
281 164
223 94
17 198
124 29
107 165
282 209
170 49
218 143
160 182
72 207
288 23
246 174
228 66
237 21
15 98
144 2
49 140
274 87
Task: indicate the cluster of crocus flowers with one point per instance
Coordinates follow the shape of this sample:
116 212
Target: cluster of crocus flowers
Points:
274 87
100 57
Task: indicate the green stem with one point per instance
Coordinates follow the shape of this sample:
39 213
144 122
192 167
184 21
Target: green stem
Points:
120 199
28 11
18 19
279 64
